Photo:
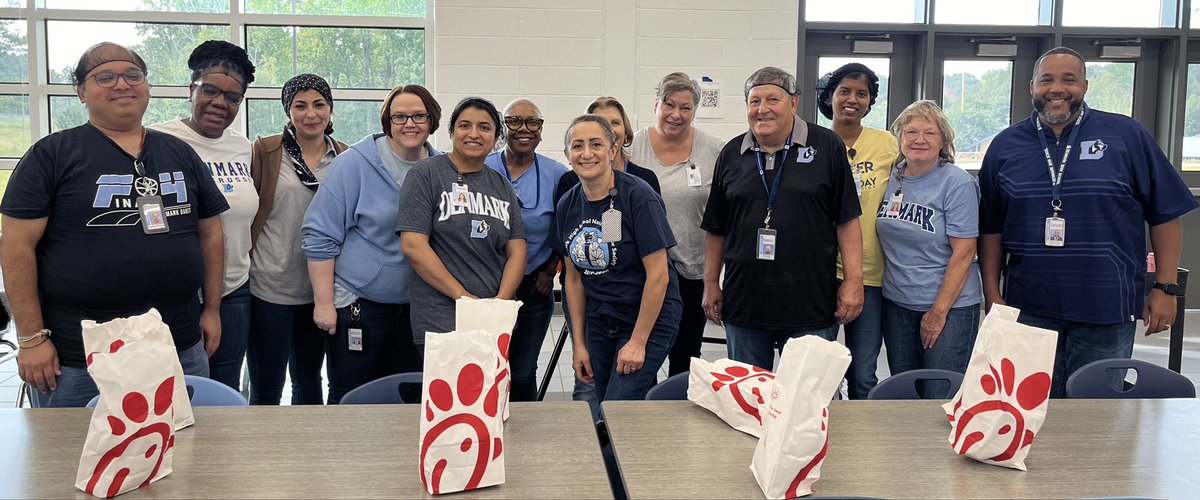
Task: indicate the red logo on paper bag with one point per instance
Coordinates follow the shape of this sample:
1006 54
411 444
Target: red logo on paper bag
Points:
1031 393
136 410
113 347
469 392
733 377
792 491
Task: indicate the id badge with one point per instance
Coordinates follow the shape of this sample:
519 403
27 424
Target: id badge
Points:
356 339
893 209
610 225
154 221
458 195
693 175
766 244
1056 231
857 179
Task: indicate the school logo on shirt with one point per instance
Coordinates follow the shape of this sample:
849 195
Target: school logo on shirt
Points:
119 192
805 155
913 213
472 202
479 229
1092 150
588 250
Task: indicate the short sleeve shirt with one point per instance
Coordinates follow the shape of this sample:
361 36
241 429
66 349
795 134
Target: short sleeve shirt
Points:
940 204
613 274
94 260
468 235
875 152
797 290
535 192
1117 180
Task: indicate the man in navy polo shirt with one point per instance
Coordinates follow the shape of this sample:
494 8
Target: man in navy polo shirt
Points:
1066 196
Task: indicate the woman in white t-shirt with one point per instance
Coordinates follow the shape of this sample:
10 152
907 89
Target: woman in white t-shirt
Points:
221 71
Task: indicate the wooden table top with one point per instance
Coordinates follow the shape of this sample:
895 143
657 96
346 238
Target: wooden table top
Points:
899 449
310 452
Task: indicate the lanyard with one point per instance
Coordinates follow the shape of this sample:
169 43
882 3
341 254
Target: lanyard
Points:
537 172
1056 177
773 191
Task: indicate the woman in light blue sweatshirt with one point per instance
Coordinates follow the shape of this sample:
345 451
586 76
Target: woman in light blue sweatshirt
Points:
359 275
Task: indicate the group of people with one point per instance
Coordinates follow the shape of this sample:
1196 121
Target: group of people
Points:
296 251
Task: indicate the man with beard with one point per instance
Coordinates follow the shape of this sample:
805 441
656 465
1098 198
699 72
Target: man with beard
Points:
1071 241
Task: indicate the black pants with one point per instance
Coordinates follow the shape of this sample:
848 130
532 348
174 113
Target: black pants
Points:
387 346
691 326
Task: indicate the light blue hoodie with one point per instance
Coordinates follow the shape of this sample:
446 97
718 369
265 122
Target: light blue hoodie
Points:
352 219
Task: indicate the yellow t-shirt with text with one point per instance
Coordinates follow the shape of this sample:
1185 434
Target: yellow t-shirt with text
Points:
875 152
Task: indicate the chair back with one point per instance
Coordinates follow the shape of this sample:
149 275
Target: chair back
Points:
203 392
1095 381
400 388
904 385
674 388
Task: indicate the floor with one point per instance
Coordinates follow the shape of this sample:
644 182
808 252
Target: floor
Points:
1152 349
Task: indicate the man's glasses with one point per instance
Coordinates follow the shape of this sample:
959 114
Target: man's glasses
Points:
212 91
515 122
108 79
401 119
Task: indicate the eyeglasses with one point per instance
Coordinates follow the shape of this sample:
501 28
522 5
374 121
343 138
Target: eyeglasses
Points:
928 135
212 91
108 79
401 119
515 122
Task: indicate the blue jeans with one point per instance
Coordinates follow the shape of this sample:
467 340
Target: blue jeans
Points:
951 351
225 365
284 338
757 346
527 336
864 336
387 347
583 391
1082 343
606 336
76 387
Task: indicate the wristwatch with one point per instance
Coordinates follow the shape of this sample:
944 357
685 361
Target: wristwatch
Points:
1172 289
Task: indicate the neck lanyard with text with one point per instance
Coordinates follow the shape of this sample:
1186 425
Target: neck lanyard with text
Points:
1056 175
773 191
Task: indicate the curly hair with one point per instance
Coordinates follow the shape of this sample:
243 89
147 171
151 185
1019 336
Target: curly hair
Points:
222 54
829 83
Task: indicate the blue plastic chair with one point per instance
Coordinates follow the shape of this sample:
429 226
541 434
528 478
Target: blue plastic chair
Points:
904 385
203 392
674 388
386 391
1091 381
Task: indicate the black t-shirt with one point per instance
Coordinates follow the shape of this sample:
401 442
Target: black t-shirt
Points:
613 275
94 261
797 290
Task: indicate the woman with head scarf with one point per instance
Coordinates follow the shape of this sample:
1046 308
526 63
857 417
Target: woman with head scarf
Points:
287 169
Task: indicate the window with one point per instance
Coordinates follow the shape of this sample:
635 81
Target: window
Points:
877 118
14 55
976 97
1115 13
163 46
143 5
346 57
1191 121
1110 86
410 8
1012 12
67 111
352 120
14 125
866 11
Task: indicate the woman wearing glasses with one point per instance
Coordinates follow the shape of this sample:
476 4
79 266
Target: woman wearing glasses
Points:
221 71
287 169
927 225
460 223
534 178
359 275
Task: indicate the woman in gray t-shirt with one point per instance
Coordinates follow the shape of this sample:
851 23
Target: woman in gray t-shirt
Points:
460 224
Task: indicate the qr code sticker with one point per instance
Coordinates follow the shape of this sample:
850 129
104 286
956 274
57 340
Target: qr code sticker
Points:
710 98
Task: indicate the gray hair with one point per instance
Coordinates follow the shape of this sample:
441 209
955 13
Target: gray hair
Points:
771 75
930 111
592 118
676 82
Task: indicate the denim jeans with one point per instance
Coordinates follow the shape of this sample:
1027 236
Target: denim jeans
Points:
691 326
527 336
387 347
951 351
606 336
583 391
284 338
757 346
864 336
1082 343
76 388
225 365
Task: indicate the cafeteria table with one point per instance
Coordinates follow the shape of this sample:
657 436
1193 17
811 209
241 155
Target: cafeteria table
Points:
899 449
350 451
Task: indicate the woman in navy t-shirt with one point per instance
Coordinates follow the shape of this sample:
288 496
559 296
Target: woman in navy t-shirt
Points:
622 294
